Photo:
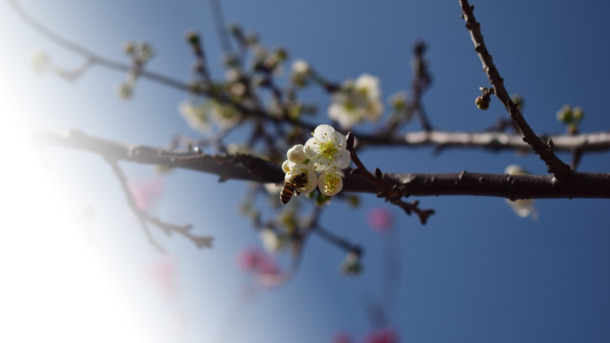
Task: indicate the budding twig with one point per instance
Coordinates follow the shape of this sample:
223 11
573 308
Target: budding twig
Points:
543 149
385 191
145 218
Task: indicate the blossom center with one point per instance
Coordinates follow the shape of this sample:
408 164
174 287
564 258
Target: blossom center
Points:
331 183
328 150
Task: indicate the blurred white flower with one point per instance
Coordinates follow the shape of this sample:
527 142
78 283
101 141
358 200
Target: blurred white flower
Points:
300 67
356 101
125 90
271 242
522 207
225 116
195 115
41 62
327 149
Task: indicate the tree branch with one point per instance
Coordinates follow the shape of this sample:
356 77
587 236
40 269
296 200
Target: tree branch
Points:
544 150
251 168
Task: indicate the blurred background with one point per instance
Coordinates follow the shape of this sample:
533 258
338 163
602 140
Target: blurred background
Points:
77 266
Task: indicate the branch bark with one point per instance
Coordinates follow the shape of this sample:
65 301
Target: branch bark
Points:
251 168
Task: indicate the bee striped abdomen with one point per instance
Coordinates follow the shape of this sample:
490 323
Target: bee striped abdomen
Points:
287 192
291 185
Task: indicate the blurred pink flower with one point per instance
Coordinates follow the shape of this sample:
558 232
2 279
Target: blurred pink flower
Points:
385 335
147 192
162 274
255 261
379 219
342 337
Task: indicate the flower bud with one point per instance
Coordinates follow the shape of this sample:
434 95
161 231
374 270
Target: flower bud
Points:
192 37
482 102
351 264
296 154
565 114
578 114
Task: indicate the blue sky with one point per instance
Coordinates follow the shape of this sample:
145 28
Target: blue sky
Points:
475 273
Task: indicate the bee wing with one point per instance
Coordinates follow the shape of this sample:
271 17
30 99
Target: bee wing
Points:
273 188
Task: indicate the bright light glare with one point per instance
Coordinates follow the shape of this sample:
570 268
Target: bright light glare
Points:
52 288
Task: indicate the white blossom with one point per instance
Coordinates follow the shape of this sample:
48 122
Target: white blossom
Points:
522 207
225 116
331 182
196 116
295 169
300 67
41 62
356 101
271 242
327 149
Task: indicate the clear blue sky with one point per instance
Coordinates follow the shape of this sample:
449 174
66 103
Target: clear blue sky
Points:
475 273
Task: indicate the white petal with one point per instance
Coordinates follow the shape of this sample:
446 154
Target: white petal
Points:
343 160
323 132
287 166
338 140
311 148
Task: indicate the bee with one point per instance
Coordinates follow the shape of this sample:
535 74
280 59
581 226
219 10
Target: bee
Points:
290 187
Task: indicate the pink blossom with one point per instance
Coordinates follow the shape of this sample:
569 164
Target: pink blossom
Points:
342 337
379 219
162 274
385 335
256 261
147 192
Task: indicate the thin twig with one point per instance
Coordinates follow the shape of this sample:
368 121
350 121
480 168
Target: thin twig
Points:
144 217
131 201
384 189
544 150
220 26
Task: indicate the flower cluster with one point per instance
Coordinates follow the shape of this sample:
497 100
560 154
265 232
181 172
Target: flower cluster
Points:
201 115
319 162
356 101
139 53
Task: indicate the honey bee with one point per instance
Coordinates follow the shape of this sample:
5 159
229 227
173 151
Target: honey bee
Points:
291 185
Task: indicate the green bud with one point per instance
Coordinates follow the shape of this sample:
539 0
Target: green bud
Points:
578 114
482 102
399 101
192 37
146 51
236 30
572 128
565 114
129 48
322 199
353 201
251 39
518 101
281 54
351 264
